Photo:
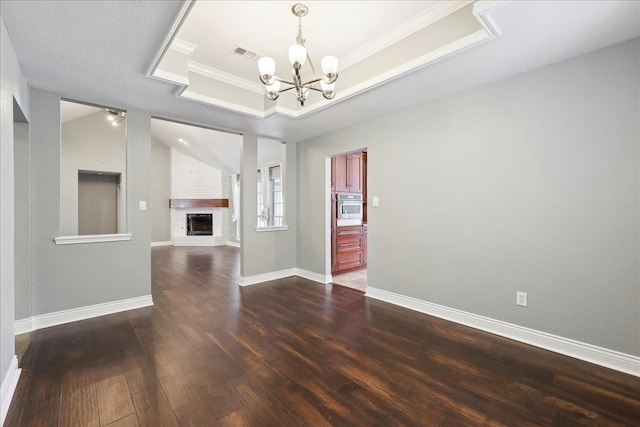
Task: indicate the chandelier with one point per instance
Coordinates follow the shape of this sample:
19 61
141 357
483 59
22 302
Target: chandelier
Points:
297 56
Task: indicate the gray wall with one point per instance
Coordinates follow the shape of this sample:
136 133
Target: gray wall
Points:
160 191
22 223
528 184
90 143
72 276
264 252
13 86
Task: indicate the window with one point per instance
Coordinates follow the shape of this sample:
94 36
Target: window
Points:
270 212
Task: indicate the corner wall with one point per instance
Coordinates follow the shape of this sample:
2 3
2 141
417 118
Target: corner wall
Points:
160 191
272 252
73 276
527 184
13 86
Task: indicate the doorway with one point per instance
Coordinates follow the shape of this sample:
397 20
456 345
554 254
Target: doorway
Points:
348 219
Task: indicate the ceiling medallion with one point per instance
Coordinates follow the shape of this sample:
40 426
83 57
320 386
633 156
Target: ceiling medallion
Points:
297 56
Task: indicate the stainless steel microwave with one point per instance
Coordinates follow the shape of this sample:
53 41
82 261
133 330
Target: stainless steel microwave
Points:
349 205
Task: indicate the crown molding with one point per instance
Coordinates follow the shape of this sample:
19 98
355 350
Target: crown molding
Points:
194 96
171 33
483 7
420 21
456 46
183 46
481 11
170 77
444 51
213 73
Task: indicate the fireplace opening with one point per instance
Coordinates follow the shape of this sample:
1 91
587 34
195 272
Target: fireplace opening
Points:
199 225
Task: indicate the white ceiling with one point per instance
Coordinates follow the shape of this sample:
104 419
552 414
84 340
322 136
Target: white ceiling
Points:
218 149
100 51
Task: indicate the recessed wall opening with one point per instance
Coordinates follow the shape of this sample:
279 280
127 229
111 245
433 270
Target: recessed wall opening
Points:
199 224
98 202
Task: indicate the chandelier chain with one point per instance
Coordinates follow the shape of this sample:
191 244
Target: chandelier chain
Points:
299 39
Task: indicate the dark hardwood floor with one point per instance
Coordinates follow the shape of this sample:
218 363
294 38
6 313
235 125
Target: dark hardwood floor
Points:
294 352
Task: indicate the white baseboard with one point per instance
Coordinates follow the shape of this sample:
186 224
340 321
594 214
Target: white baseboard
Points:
234 244
8 388
265 277
316 277
82 313
23 326
154 244
579 350
199 243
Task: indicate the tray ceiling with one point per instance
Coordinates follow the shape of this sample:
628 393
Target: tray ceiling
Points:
374 41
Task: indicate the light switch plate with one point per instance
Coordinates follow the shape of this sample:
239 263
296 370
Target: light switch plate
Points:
376 201
143 205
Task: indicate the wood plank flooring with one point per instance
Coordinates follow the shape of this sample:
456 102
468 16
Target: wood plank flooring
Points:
296 353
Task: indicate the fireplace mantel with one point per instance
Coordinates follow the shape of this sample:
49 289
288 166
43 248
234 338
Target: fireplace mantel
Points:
198 203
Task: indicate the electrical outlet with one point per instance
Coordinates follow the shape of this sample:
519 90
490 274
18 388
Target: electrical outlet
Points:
521 298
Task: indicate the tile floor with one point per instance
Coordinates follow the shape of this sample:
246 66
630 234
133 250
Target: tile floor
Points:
353 279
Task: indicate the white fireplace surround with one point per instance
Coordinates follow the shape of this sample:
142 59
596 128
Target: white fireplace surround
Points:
192 179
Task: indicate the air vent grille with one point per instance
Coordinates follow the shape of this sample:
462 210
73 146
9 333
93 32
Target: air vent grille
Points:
245 53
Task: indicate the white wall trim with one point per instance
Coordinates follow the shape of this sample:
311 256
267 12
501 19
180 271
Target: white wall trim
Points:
82 313
23 326
265 277
590 353
167 243
234 244
9 383
176 244
92 238
316 277
272 228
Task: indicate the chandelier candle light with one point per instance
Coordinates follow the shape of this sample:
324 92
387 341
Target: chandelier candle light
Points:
297 56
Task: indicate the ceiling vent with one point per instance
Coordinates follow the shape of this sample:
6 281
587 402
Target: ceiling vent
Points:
245 53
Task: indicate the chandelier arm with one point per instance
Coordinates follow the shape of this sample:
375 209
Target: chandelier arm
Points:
284 90
310 82
316 89
284 81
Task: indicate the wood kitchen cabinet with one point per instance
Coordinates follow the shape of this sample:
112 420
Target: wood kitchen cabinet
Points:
350 248
347 173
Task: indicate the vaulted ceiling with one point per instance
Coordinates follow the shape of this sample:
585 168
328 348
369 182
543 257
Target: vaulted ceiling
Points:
104 52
